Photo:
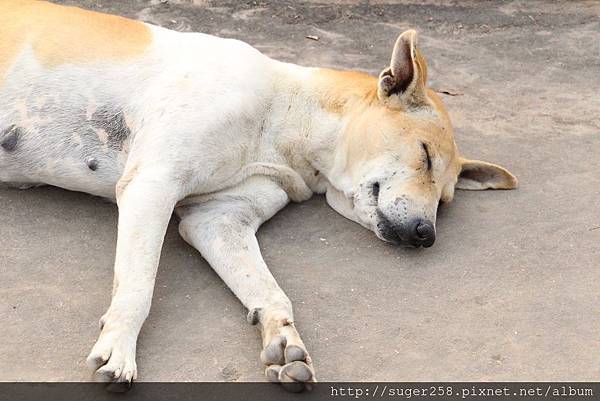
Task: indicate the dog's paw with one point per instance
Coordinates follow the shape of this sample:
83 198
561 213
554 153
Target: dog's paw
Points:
286 359
112 360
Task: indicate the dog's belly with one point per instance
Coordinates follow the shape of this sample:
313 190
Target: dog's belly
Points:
63 147
69 133
81 158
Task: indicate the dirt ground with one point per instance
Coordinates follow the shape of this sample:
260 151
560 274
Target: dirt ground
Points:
510 291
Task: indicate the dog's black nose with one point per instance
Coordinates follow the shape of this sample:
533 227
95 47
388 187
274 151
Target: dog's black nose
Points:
422 233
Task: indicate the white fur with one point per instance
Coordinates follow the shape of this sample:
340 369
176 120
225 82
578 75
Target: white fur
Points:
219 133
220 129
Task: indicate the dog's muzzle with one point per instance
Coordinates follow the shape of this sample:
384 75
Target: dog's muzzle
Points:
416 233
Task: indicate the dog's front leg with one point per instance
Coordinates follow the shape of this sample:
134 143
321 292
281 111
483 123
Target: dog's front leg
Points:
223 230
146 201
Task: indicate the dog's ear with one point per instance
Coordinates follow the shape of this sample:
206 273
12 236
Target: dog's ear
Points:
478 175
402 84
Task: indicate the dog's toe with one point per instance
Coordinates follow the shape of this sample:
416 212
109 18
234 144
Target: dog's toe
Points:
273 353
272 373
295 353
296 371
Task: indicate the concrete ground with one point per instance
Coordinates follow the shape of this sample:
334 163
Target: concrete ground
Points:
510 291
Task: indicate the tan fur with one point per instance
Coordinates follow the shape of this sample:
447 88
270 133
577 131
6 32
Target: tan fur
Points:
396 158
59 34
374 127
340 91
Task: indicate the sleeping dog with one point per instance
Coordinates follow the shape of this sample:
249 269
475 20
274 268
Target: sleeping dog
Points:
164 122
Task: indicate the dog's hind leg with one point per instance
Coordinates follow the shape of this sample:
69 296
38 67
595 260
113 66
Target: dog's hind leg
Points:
223 229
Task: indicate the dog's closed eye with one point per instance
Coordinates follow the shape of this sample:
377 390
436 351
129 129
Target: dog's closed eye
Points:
427 155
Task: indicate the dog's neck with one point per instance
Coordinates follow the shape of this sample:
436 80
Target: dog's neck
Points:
318 105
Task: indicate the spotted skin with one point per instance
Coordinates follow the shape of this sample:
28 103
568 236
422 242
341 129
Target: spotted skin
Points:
10 137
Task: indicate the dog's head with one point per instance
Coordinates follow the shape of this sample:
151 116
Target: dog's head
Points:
397 159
